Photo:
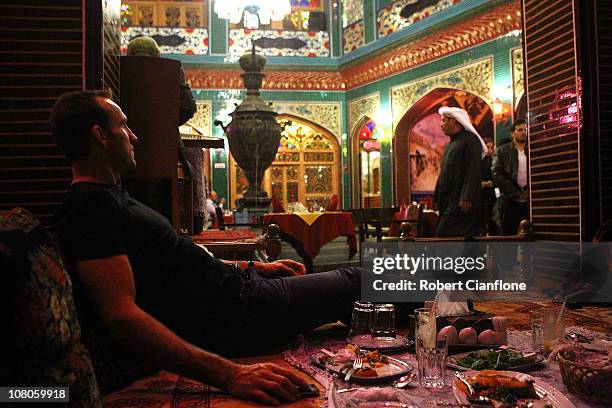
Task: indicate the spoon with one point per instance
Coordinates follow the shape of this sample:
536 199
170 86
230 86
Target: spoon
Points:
404 381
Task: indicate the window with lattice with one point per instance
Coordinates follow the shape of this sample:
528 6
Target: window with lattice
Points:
306 168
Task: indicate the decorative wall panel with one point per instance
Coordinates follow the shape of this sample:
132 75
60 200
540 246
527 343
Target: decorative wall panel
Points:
328 115
389 19
518 75
111 40
171 40
201 120
366 106
279 43
475 78
353 37
483 27
352 11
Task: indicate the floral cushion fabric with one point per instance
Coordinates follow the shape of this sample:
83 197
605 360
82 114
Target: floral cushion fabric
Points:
42 341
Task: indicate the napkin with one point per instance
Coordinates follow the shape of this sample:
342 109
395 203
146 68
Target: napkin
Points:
452 303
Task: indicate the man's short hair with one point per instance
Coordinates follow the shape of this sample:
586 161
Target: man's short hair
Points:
72 118
516 123
143 46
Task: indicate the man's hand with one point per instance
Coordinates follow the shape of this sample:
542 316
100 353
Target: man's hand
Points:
268 383
465 205
282 267
486 184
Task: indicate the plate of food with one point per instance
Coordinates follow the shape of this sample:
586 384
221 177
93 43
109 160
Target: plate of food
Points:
501 358
385 344
376 367
508 388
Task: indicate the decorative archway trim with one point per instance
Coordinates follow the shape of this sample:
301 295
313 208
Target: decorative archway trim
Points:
475 78
323 115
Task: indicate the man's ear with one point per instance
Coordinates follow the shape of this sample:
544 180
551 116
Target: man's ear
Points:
99 135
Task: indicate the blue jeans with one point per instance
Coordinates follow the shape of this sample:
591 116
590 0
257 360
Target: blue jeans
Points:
273 311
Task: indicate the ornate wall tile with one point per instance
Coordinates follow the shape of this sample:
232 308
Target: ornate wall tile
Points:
190 41
358 108
352 11
328 115
448 40
353 37
201 120
280 43
452 39
475 78
389 19
518 75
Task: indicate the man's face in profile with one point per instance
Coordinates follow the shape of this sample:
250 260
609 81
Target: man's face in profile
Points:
121 139
449 125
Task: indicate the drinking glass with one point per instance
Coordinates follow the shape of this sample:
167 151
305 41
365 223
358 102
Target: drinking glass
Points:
431 361
361 320
547 327
537 331
383 326
425 326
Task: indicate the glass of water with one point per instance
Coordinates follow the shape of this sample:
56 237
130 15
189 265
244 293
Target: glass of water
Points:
361 320
425 326
431 361
383 326
537 331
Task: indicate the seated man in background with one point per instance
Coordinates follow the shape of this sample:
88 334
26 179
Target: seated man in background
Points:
147 295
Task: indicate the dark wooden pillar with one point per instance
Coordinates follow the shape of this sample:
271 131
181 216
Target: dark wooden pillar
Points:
568 60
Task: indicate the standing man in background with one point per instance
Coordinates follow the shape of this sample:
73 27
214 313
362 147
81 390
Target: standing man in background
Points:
458 188
488 191
511 175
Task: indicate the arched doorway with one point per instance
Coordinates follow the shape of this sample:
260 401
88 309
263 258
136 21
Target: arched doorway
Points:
521 108
306 168
366 165
419 142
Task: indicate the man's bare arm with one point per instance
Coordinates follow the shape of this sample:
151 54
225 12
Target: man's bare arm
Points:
109 285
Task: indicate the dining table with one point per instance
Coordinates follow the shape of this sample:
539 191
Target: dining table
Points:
168 390
309 232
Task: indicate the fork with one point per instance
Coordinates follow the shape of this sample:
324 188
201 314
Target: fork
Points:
357 364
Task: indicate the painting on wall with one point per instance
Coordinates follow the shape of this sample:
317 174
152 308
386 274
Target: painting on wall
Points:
427 143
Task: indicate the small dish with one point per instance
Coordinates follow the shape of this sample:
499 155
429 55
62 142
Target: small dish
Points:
367 342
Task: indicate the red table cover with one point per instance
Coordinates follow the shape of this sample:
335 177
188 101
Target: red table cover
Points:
324 229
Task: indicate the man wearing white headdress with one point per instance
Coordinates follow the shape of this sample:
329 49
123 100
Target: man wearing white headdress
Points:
458 188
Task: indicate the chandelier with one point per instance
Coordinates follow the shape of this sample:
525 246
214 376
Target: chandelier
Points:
255 12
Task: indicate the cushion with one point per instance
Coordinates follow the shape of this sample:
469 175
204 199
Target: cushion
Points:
43 346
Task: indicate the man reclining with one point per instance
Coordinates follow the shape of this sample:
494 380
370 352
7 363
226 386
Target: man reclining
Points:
145 294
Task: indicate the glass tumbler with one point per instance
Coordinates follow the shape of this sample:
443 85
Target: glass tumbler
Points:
431 361
383 326
361 320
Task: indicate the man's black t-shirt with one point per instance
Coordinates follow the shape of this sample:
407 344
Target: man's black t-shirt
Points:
176 281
